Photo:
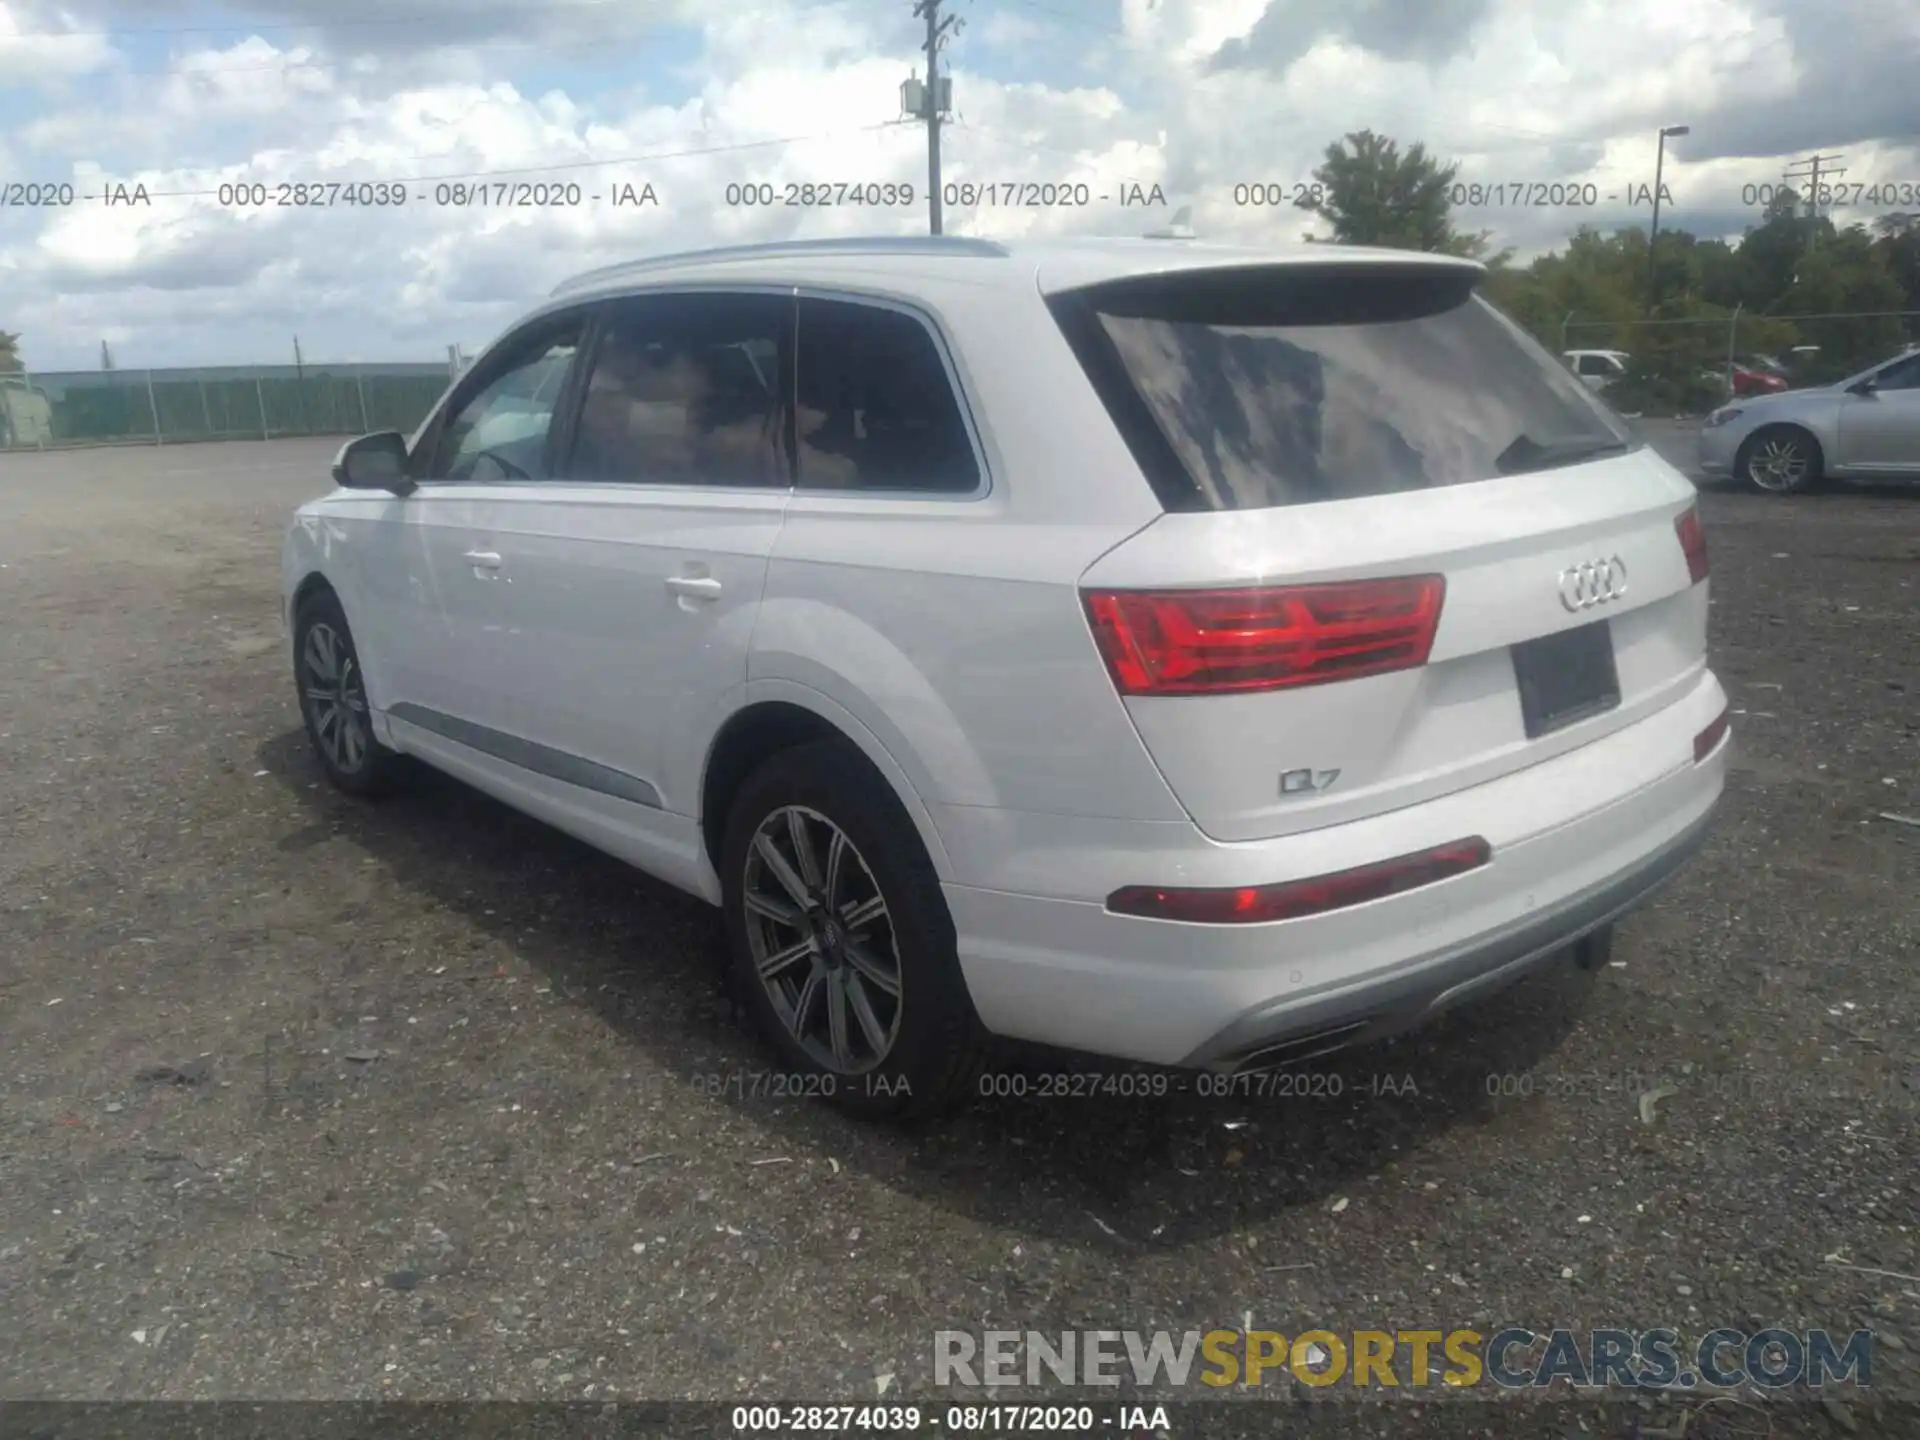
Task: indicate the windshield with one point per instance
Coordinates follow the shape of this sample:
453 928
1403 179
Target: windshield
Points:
1386 382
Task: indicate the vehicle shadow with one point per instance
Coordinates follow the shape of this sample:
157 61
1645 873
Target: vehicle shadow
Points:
1056 1146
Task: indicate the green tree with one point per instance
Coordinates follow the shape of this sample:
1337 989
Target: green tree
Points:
9 352
1770 252
1897 242
1372 193
1590 292
1844 277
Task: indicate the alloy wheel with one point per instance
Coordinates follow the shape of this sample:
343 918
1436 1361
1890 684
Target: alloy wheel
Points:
336 697
822 940
1778 464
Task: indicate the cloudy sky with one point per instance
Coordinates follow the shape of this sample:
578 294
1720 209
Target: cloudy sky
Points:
690 96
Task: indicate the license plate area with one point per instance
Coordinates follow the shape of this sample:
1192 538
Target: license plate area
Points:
1566 678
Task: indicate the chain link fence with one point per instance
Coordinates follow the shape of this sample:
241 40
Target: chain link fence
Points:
1688 366
42 410
1674 367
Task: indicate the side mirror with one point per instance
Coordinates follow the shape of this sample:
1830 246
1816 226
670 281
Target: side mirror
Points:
1864 388
374 462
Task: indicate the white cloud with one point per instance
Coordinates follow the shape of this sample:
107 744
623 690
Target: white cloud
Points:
1515 89
43 45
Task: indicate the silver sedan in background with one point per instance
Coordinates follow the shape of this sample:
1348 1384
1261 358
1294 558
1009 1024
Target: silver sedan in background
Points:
1866 426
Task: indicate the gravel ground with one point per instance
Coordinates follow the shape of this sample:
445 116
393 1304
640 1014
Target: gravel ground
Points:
303 1099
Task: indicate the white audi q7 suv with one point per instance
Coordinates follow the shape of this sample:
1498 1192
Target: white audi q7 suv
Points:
1201 656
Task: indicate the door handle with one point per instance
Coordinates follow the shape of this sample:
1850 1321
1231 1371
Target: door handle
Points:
697 587
483 559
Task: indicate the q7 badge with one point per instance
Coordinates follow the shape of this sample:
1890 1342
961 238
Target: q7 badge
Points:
1307 782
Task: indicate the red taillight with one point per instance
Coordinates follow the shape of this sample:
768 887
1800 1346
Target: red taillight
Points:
1252 904
1693 540
1201 642
1708 740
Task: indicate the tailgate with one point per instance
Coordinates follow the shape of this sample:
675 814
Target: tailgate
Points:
1405 550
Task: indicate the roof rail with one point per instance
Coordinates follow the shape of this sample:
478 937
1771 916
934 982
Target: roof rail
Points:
857 245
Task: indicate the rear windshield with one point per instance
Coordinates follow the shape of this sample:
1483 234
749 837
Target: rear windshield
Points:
1247 389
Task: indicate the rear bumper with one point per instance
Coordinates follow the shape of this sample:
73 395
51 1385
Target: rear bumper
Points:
1577 841
1425 986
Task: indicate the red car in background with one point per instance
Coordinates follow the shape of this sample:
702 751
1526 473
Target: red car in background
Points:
1757 376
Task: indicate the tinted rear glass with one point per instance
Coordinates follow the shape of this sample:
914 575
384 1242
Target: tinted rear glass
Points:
1249 389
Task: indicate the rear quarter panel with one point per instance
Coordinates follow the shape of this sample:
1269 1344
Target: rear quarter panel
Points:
952 628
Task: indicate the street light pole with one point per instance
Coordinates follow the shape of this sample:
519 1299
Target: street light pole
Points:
1653 235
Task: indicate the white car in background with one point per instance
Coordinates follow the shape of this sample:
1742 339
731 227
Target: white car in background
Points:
1866 426
1597 369
1201 656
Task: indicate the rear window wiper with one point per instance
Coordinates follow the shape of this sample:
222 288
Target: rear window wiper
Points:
1526 453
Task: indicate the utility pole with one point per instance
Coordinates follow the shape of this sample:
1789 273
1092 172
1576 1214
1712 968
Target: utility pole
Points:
936 98
1653 234
300 384
1816 167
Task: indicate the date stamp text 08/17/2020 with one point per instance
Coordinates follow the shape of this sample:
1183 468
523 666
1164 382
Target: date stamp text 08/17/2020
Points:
244 196
467 194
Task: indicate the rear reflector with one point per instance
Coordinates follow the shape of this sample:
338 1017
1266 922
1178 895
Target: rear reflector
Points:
1253 904
1693 540
1708 740
1206 642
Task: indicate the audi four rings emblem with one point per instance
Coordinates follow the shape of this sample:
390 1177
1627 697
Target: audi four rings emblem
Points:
1594 583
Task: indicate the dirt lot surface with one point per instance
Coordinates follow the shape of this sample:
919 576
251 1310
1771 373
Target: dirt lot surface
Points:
305 1098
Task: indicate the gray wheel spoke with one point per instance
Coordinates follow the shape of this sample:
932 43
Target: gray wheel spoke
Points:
323 658
870 968
355 744
836 865
858 917
802 844
782 871
837 1019
803 1003
869 1022
782 959
320 694
771 907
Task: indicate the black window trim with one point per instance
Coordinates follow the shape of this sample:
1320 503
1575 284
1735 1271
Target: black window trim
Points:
936 333
489 368
1078 316
566 429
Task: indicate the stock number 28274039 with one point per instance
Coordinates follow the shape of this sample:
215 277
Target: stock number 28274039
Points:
796 1419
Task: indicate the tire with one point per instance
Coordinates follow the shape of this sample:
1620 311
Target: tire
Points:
333 701
909 1043
1780 460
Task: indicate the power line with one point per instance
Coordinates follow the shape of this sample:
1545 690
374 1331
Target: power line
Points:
346 60
1812 177
380 22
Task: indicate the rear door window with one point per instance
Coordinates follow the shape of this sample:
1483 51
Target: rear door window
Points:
1253 388
876 409
686 389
